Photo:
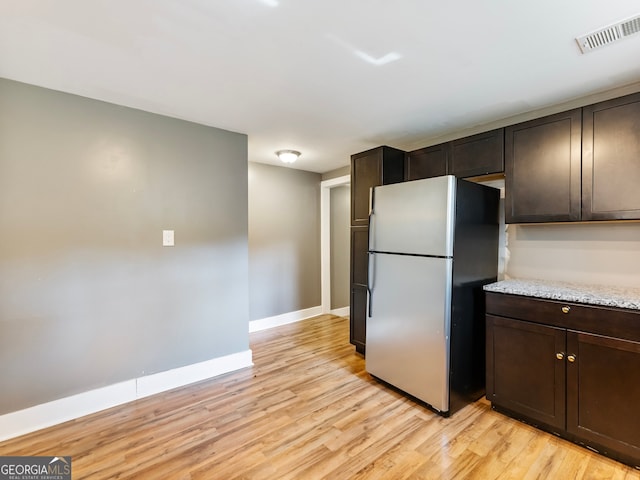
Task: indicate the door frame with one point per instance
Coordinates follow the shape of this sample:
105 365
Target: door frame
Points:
325 242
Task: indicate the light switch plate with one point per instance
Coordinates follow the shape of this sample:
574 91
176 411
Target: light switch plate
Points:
167 238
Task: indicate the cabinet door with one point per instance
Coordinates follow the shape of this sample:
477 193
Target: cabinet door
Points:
379 166
524 374
427 162
611 160
359 275
542 169
358 317
603 393
359 257
366 172
480 154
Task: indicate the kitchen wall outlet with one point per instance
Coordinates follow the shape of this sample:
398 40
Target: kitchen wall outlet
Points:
167 238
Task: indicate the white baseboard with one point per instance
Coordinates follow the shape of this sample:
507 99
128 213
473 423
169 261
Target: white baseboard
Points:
177 377
69 408
285 318
51 413
341 312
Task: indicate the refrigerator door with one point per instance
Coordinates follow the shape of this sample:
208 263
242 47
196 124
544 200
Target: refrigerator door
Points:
409 324
414 217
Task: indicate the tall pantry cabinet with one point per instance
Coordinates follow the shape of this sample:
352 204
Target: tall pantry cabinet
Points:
378 166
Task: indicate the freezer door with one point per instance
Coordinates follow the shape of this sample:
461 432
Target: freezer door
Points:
409 324
414 217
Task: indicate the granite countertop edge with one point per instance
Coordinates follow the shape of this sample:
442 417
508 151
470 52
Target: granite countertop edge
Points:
608 296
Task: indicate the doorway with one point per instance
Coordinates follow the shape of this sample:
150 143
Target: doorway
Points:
335 249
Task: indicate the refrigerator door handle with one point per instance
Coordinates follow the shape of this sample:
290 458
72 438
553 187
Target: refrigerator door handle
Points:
370 270
372 193
371 255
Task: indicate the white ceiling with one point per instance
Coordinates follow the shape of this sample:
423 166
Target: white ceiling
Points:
327 77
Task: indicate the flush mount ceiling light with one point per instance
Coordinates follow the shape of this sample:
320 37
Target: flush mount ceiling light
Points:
288 156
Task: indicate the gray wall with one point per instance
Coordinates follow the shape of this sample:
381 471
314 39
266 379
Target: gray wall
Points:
340 249
284 240
338 172
88 295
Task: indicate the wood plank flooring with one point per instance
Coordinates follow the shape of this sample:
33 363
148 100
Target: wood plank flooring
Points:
307 410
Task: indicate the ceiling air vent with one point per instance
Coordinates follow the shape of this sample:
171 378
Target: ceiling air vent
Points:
608 35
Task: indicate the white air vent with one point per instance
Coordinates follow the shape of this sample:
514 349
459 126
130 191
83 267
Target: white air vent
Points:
608 35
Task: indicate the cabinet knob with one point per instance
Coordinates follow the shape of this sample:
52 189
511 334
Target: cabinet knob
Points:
559 355
566 309
571 358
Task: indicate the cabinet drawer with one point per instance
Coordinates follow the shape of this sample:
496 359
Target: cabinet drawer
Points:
549 312
613 322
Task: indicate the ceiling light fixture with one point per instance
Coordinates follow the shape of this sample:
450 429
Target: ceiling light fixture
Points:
288 156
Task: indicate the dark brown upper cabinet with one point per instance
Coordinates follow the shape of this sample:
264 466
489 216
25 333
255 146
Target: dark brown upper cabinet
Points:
611 159
477 155
473 156
378 166
428 162
543 169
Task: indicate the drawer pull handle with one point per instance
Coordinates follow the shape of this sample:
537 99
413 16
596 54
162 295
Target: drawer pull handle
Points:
566 309
571 358
560 356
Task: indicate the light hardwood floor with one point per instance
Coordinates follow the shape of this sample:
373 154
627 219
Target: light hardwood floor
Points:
307 410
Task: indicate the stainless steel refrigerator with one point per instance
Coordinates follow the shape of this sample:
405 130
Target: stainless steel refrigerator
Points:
433 244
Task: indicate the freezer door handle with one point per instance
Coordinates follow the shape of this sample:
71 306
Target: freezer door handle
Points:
372 194
370 230
370 271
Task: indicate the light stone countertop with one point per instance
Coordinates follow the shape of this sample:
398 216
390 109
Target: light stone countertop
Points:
608 296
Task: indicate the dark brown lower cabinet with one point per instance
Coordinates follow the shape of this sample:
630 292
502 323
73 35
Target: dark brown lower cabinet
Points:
523 373
358 317
570 369
359 274
603 393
